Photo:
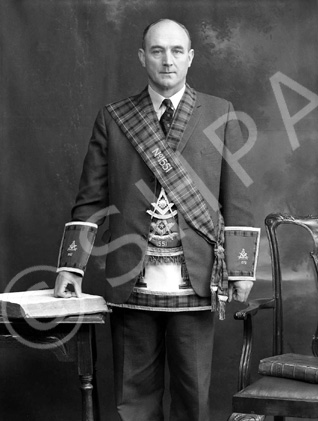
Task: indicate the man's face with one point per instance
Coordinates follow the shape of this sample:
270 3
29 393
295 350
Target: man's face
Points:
166 57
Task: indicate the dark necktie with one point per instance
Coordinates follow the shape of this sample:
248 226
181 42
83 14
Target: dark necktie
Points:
167 116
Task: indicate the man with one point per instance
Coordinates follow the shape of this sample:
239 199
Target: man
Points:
152 168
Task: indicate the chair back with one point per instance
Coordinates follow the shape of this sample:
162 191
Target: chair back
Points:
272 222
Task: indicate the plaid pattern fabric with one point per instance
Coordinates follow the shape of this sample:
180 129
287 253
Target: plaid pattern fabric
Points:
187 301
136 118
138 121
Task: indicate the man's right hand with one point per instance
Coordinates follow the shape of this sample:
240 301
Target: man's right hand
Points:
63 280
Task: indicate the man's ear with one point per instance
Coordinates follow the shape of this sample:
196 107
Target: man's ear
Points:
141 55
191 55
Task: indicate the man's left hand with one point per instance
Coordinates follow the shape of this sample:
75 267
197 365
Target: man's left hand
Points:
239 290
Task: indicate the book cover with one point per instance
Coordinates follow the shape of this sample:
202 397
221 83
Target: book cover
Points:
43 304
291 366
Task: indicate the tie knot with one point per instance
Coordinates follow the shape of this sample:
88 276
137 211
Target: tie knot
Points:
167 102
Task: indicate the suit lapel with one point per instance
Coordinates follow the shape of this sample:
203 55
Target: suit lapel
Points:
194 119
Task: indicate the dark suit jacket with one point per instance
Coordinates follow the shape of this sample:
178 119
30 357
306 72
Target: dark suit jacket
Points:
115 177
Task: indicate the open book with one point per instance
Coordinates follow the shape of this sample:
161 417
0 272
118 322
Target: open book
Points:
42 304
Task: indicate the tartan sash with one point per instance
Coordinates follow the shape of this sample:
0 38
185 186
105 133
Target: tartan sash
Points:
137 119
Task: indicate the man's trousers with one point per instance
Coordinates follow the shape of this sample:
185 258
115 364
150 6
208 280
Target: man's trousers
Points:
142 341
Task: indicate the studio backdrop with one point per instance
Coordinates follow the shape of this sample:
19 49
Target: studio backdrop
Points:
61 61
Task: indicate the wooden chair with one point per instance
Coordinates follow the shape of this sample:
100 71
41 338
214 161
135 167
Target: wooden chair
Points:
275 396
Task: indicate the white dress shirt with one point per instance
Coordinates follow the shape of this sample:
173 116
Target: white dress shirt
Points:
157 100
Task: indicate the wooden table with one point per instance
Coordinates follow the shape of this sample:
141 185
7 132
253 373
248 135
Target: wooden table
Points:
71 338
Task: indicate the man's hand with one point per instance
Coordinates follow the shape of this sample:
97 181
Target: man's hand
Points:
64 279
239 290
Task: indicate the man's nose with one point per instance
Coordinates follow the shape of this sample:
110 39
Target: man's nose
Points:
167 59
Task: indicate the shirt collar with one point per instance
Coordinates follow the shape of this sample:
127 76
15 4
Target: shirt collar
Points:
157 98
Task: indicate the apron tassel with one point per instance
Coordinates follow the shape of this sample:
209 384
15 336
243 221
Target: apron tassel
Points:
219 277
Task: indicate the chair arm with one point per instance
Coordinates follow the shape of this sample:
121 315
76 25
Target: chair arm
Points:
246 315
253 307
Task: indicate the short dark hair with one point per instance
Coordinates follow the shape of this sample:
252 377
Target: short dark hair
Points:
162 20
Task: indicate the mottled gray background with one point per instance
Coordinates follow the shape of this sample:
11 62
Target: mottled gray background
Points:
61 60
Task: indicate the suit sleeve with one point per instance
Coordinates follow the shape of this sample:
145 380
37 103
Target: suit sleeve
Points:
91 204
235 197
92 198
241 237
